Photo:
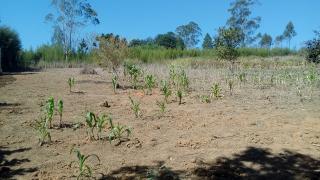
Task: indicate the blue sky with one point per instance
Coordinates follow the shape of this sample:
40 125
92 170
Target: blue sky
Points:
146 18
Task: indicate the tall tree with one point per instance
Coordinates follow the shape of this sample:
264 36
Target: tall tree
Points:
69 17
190 34
207 42
241 19
10 46
265 41
278 40
289 32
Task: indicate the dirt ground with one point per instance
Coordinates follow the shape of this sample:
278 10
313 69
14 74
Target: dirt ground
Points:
257 133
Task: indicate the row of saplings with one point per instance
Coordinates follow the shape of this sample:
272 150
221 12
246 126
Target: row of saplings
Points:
95 124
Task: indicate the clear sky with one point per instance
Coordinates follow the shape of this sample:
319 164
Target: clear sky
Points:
146 18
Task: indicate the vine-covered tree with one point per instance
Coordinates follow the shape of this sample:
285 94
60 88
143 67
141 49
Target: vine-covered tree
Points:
190 34
69 17
207 42
241 19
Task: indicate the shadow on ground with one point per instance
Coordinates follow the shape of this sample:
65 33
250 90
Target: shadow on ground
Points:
8 78
253 163
9 168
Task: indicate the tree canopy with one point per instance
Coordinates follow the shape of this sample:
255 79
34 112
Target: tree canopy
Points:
207 42
190 34
10 45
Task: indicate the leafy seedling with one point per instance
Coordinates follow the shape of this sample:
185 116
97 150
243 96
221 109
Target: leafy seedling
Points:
84 169
118 131
150 83
135 106
60 111
71 82
49 111
134 73
91 122
165 89
162 106
216 90
42 130
101 123
205 99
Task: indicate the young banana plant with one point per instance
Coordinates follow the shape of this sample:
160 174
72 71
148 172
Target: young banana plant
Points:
60 111
84 169
49 111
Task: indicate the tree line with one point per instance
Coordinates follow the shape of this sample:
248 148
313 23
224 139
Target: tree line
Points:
70 17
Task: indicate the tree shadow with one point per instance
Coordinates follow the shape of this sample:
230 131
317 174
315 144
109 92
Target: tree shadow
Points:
11 168
258 163
158 171
252 163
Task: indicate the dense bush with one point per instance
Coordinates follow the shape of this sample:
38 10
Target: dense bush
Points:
313 50
10 45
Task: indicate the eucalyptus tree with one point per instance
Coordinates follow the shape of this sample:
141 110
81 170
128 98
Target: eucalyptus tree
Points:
241 19
190 34
69 17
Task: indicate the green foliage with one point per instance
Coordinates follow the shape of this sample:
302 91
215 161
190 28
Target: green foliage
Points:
243 77
134 72
207 42
49 111
60 111
112 49
227 42
10 46
190 34
313 49
169 41
71 82
84 169
118 132
150 83
216 90
165 89
178 78
42 130
135 106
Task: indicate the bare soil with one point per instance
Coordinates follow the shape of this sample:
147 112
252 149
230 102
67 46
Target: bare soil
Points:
257 133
